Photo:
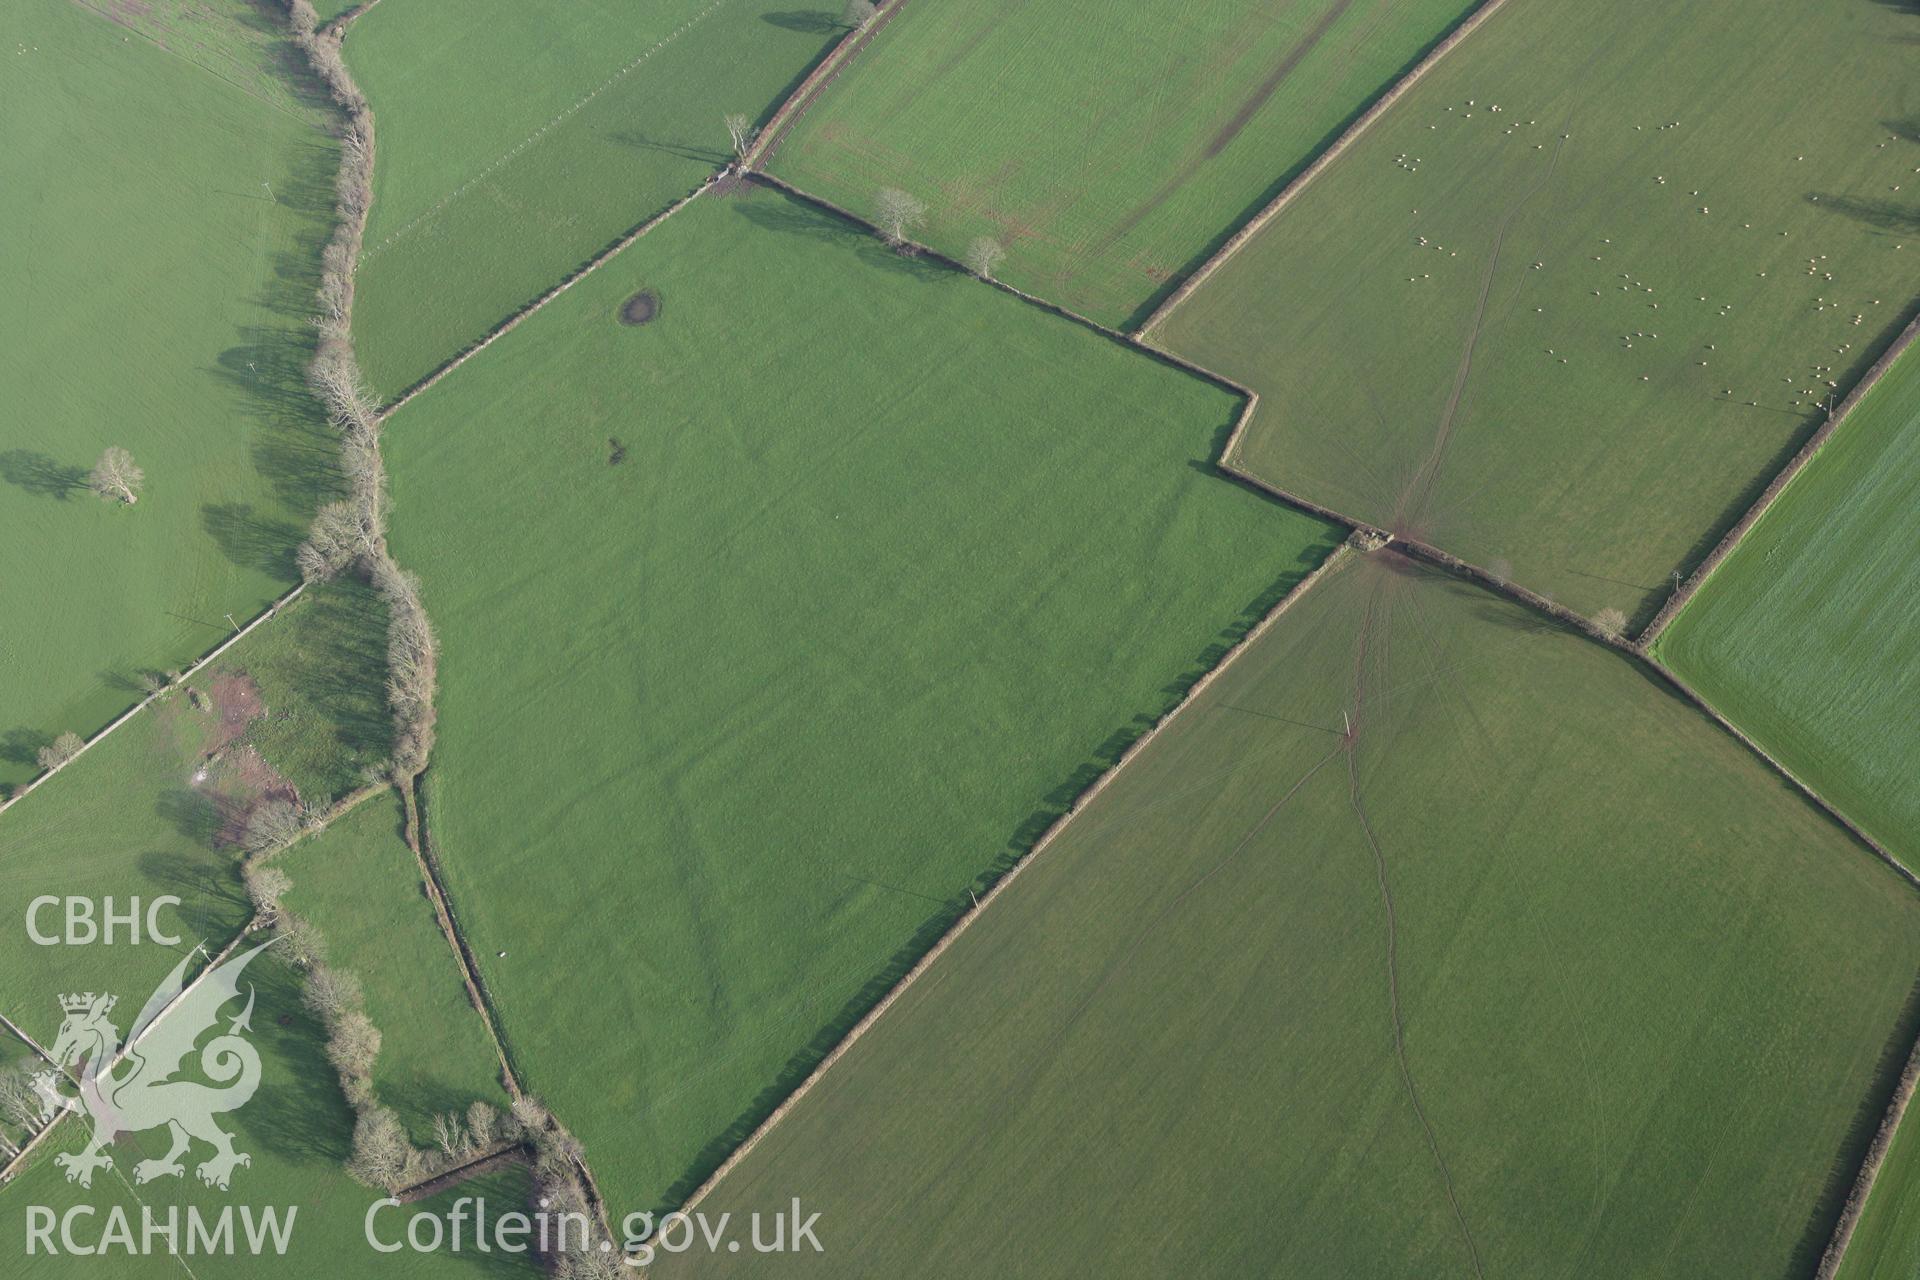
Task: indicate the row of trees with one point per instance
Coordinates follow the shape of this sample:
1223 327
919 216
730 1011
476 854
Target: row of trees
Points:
352 533
383 1154
897 215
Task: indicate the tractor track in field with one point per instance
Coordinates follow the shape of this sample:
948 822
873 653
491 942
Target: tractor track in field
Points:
1419 492
1223 136
1363 649
779 124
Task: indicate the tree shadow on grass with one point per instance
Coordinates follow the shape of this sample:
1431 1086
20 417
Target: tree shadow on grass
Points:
338 664
1887 215
299 1115
196 815
251 540
684 150
40 475
812 22
212 900
22 745
786 215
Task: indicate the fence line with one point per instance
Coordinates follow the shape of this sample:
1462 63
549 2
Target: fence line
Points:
969 914
1778 485
1333 151
810 88
141 705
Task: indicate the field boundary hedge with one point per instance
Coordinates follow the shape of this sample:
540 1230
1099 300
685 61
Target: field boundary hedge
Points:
526 310
1777 486
1238 240
1870 1168
809 89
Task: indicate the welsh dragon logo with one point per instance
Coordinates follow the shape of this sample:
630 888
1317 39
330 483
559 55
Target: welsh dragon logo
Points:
145 1094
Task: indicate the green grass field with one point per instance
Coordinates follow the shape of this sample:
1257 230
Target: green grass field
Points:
770 626
137 815
1648 999
358 882
296 1129
159 806
177 335
1808 636
320 667
518 140
1107 148
1886 1243
1580 293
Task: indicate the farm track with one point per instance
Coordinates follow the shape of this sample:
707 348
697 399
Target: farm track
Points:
1363 649
1637 648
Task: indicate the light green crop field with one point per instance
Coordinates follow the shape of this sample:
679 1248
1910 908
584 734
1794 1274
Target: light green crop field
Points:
1108 148
1808 636
177 335
359 884
770 626
1538 974
296 1129
1578 295
517 140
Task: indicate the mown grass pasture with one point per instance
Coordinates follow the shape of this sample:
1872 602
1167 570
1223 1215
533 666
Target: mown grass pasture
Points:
771 625
1808 635
177 335
516 141
1534 972
296 1130
359 884
1578 295
1106 148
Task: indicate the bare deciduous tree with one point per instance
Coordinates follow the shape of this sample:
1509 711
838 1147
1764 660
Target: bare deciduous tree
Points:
60 750
19 1101
741 132
412 665
858 12
266 886
338 538
984 256
272 825
331 993
1611 623
532 1115
354 1045
449 1135
480 1123
896 214
381 1151
116 477
303 945
1500 569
